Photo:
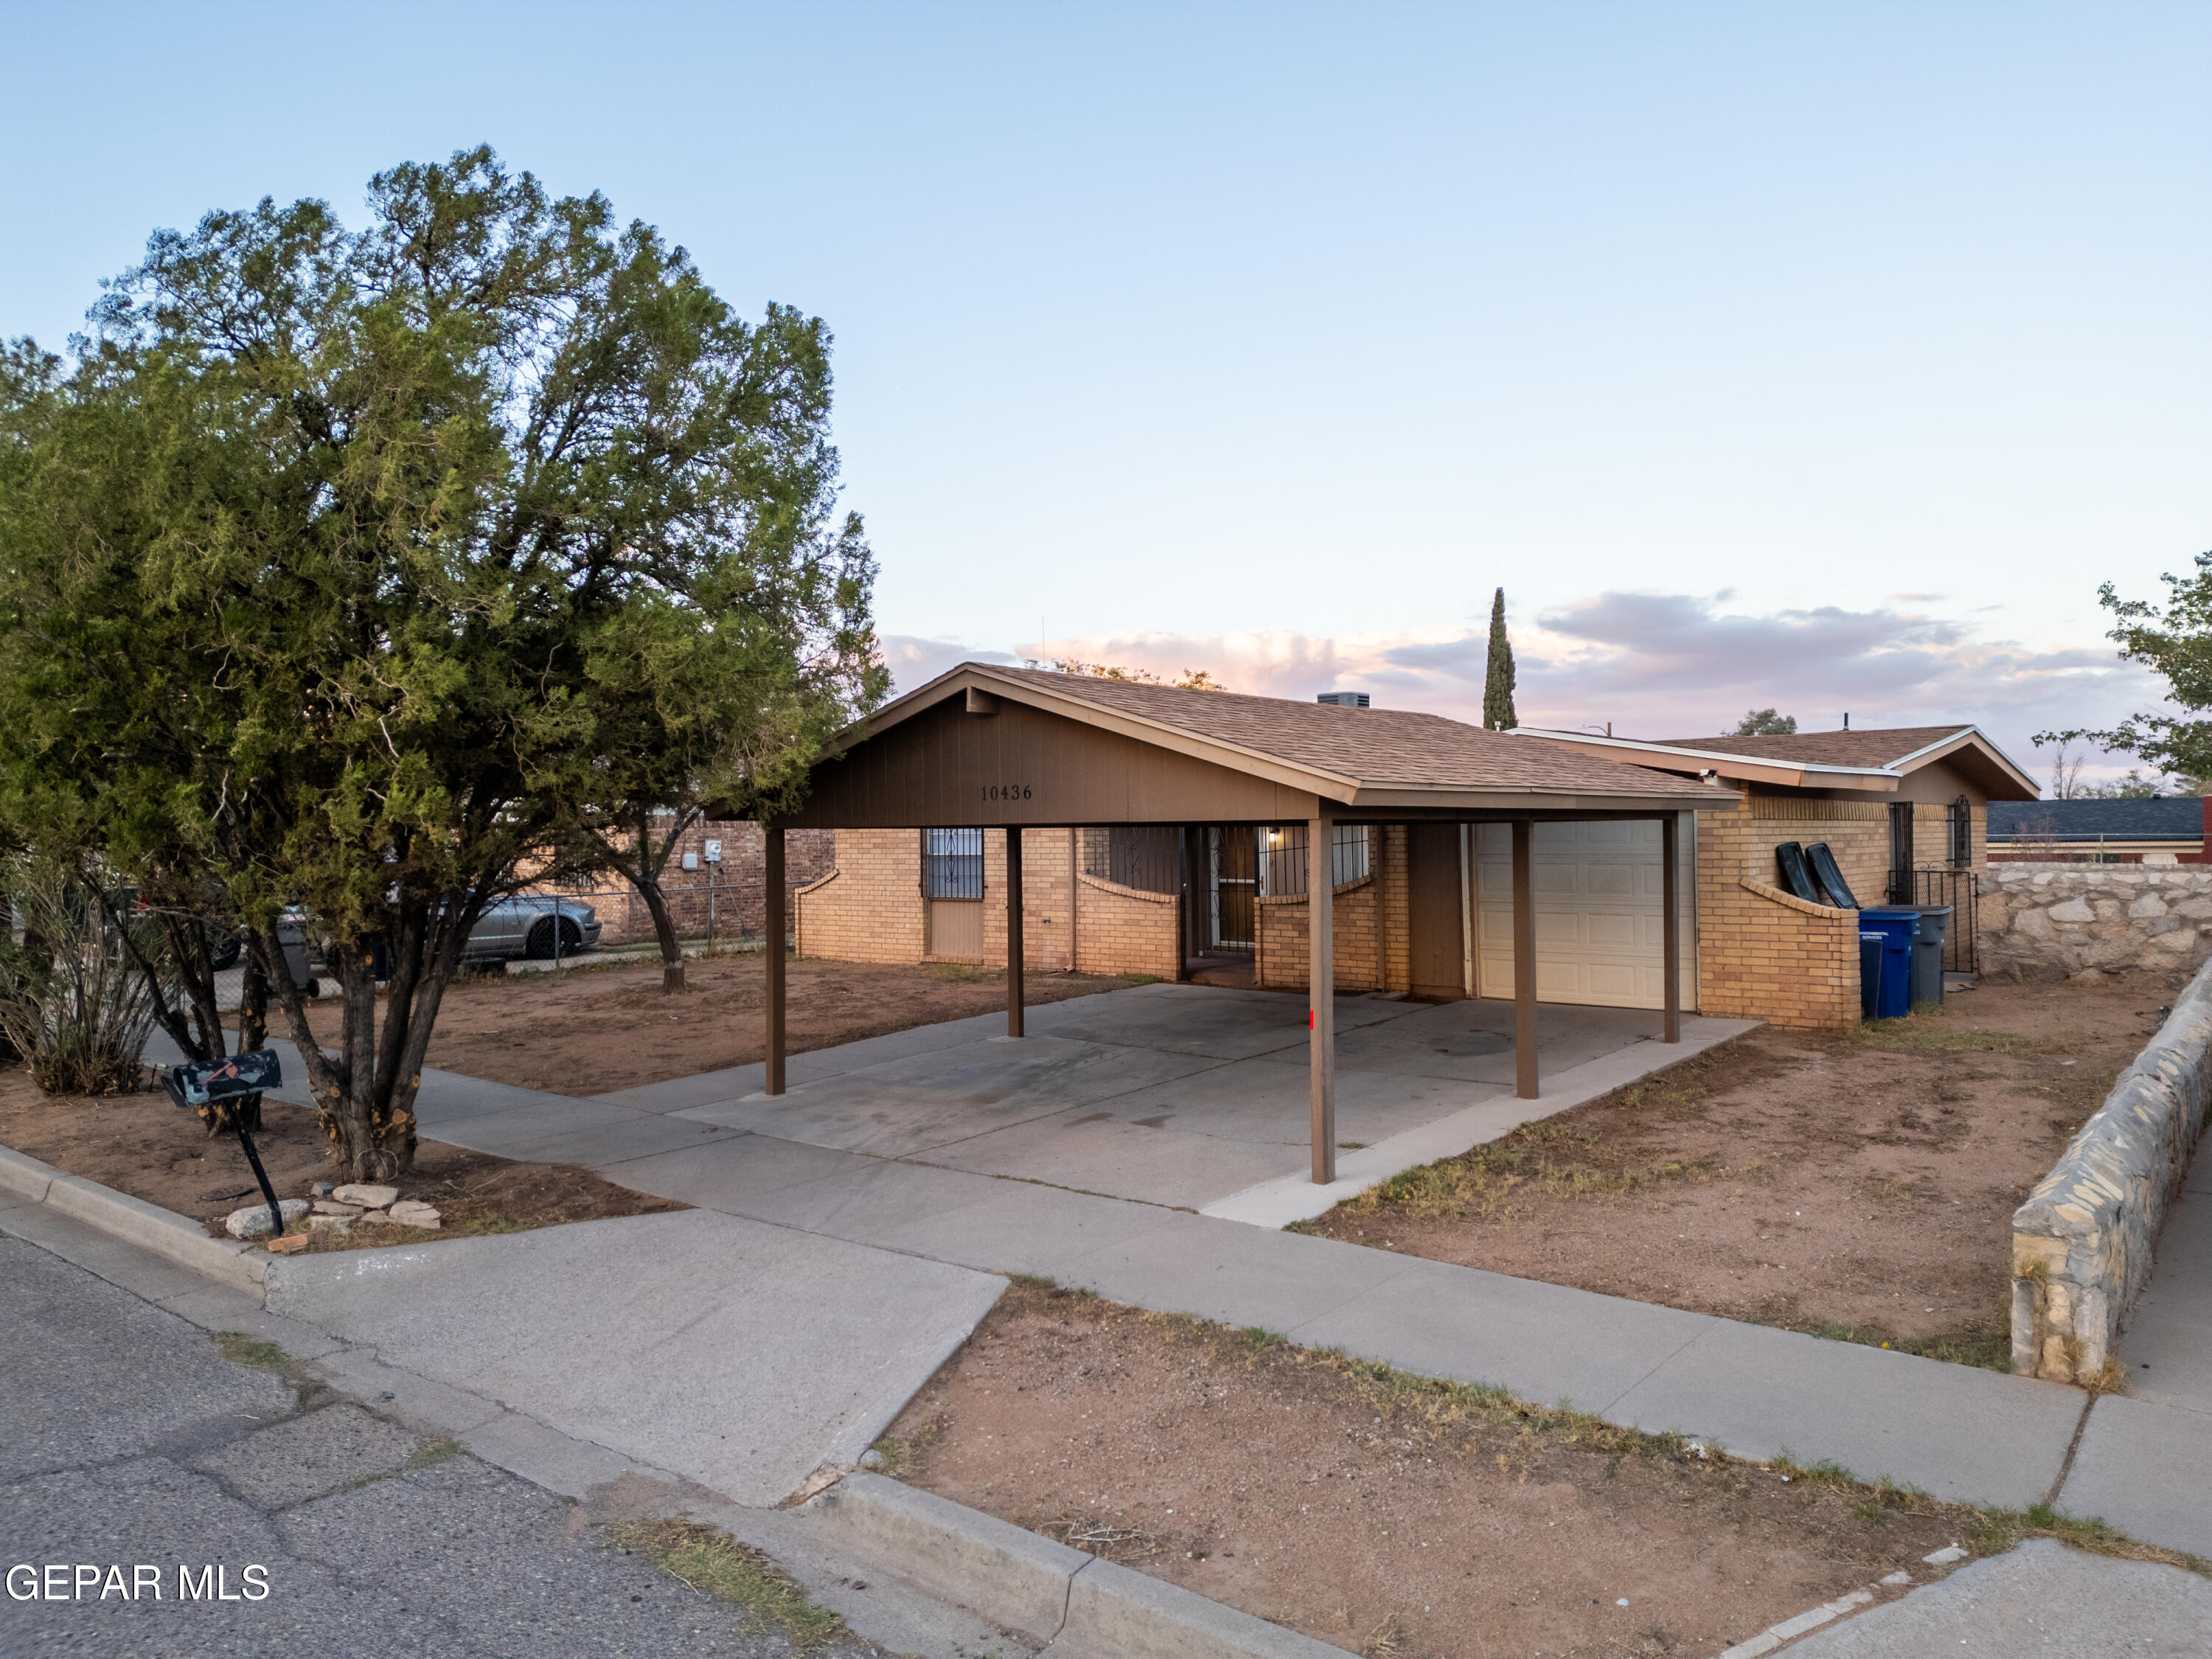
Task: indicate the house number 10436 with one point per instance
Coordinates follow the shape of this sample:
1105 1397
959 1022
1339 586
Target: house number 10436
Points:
1006 791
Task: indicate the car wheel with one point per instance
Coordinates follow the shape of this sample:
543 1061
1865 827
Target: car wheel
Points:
224 950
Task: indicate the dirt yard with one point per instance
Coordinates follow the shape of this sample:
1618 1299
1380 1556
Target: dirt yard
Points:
142 1144
593 1030
1860 1184
1386 1514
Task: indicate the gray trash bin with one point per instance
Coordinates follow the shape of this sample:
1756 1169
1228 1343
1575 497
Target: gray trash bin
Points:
1927 954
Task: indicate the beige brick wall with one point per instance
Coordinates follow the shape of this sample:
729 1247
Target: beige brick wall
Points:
1283 955
1765 954
870 909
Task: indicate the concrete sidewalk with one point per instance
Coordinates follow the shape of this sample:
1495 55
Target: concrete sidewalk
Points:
1958 1432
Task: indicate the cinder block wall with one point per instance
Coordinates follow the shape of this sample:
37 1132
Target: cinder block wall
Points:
868 909
1765 954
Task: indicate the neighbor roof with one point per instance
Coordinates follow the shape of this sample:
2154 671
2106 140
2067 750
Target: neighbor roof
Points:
1339 752
2166 817
1879 747
1877 759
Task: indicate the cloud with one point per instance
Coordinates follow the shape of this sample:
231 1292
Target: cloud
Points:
1658 664
914 661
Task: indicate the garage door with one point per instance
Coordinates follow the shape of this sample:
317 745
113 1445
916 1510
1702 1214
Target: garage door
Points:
1598 921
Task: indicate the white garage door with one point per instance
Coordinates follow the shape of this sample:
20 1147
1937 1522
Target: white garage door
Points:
1598 919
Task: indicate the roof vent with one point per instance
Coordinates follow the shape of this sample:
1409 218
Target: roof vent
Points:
1344 699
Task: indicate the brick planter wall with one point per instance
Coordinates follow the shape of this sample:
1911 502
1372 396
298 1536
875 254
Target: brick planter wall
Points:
1284 926
1125 930
2081 1244
1765 954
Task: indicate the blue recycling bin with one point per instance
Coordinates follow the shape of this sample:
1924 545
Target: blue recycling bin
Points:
1870 944
1898 927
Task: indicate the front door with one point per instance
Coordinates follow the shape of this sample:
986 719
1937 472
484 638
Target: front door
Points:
1437 920
1233 853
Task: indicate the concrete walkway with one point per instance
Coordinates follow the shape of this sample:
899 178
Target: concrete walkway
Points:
860 1151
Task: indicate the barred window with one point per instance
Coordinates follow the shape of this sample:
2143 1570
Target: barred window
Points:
1960 828
952 864
1283 857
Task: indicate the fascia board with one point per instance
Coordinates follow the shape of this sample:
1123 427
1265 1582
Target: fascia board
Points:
1503 800
1975 737
1788 775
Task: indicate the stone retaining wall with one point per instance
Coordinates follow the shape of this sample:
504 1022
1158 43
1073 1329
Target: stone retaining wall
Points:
2081 1243
2055 920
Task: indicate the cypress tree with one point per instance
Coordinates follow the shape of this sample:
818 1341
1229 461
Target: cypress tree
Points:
1497 684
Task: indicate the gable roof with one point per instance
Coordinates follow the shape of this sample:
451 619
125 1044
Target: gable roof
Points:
1879 747
2162 817
1876 759
1362 756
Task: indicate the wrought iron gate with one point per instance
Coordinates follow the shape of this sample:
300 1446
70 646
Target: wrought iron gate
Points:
1956 889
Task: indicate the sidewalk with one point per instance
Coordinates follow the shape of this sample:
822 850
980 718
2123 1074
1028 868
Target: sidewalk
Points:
1958 1432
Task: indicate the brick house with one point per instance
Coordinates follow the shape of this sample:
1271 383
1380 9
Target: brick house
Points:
1424 907
1906 811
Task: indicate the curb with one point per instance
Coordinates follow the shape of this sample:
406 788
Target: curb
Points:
1044 1589
135 1221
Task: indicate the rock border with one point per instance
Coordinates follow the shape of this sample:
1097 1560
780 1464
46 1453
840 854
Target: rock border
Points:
2081 1243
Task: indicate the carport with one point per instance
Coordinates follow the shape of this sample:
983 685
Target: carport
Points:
1019 749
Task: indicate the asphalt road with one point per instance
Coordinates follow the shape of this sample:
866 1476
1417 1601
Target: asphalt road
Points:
128 1441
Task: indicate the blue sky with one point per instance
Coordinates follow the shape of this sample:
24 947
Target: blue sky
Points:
1821 356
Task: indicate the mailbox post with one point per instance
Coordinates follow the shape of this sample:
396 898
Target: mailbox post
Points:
206 1081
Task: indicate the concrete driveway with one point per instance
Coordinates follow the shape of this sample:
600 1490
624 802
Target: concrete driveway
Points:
1180 1095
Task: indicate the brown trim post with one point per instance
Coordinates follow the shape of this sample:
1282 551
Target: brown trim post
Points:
1670 932
772 881
1524 960
1014 930
1320 995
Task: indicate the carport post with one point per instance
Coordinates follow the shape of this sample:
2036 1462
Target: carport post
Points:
1014 930
1524 961
772 880
1320 999
1670 932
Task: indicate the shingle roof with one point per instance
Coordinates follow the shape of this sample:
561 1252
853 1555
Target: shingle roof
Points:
1377 748
1876 747
2168 817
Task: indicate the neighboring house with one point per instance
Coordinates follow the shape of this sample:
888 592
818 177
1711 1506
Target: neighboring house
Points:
1424 907
2159 829
1906 811
733 889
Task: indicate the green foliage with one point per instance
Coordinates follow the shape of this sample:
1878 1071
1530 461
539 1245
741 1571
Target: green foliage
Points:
1498 712
2176 639
1766 722
349 568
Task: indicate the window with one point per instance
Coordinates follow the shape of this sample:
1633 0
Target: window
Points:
1283 857
1900 852
1960 833
952 864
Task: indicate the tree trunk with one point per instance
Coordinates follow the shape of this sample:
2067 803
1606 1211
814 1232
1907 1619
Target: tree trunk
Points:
664 930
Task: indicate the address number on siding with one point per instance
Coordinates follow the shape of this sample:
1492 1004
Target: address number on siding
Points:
1006 791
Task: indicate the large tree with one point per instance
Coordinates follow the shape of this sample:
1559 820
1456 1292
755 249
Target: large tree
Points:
2176 639
1498 714
372 571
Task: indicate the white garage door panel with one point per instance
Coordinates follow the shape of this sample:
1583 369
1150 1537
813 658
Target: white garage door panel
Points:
1600 935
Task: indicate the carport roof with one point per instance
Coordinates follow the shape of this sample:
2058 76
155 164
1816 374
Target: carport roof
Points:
1340 753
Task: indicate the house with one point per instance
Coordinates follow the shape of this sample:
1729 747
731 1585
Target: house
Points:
1032 818
1423 902
1906 812
2156 829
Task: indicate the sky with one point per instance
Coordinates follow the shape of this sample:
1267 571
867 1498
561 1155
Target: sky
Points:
1827 357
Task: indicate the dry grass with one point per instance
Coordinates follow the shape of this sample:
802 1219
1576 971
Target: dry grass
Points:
715 1563
1539 1157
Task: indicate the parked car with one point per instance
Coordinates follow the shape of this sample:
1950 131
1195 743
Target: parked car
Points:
530 924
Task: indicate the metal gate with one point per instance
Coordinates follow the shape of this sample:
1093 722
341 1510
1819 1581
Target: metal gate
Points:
1956 889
